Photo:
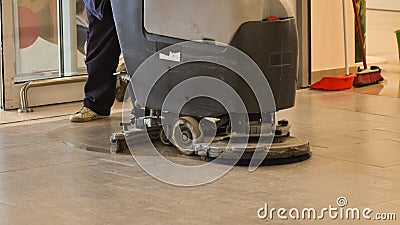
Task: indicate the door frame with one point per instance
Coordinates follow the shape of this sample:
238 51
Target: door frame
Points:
303 16
2 97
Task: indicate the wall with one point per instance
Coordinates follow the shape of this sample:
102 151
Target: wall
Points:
384 4
327 47
381 40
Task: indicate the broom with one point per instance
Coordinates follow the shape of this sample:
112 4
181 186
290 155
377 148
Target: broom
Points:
366 76
337 83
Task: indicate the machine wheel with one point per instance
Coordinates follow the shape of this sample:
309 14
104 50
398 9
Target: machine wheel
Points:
121 146
118 143
189 133
164 138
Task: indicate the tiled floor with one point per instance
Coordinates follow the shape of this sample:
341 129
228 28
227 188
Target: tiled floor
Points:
53 171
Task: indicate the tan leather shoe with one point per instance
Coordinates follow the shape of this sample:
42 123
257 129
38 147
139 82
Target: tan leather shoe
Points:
85 115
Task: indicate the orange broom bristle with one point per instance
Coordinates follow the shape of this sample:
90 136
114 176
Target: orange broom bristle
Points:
368 77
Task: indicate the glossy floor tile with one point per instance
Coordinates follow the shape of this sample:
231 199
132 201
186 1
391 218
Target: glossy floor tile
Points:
52 171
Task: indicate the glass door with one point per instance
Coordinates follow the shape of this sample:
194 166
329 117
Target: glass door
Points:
74 34
49 38
36 40
43 39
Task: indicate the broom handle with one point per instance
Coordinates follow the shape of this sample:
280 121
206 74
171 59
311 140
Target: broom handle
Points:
346 52
360 37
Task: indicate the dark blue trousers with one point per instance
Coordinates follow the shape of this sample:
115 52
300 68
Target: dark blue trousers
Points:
102 58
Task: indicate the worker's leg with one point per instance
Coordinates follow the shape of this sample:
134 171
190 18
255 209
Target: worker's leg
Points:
103 52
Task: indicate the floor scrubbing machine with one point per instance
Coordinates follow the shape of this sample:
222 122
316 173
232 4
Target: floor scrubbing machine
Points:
264 30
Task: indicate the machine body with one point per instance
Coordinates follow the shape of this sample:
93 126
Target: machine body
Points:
146 27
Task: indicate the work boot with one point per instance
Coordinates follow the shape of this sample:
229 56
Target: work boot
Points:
85 115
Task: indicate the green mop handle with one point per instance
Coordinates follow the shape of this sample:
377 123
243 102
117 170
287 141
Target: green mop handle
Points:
360 37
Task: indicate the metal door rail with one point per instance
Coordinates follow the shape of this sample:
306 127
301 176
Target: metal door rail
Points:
41 83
